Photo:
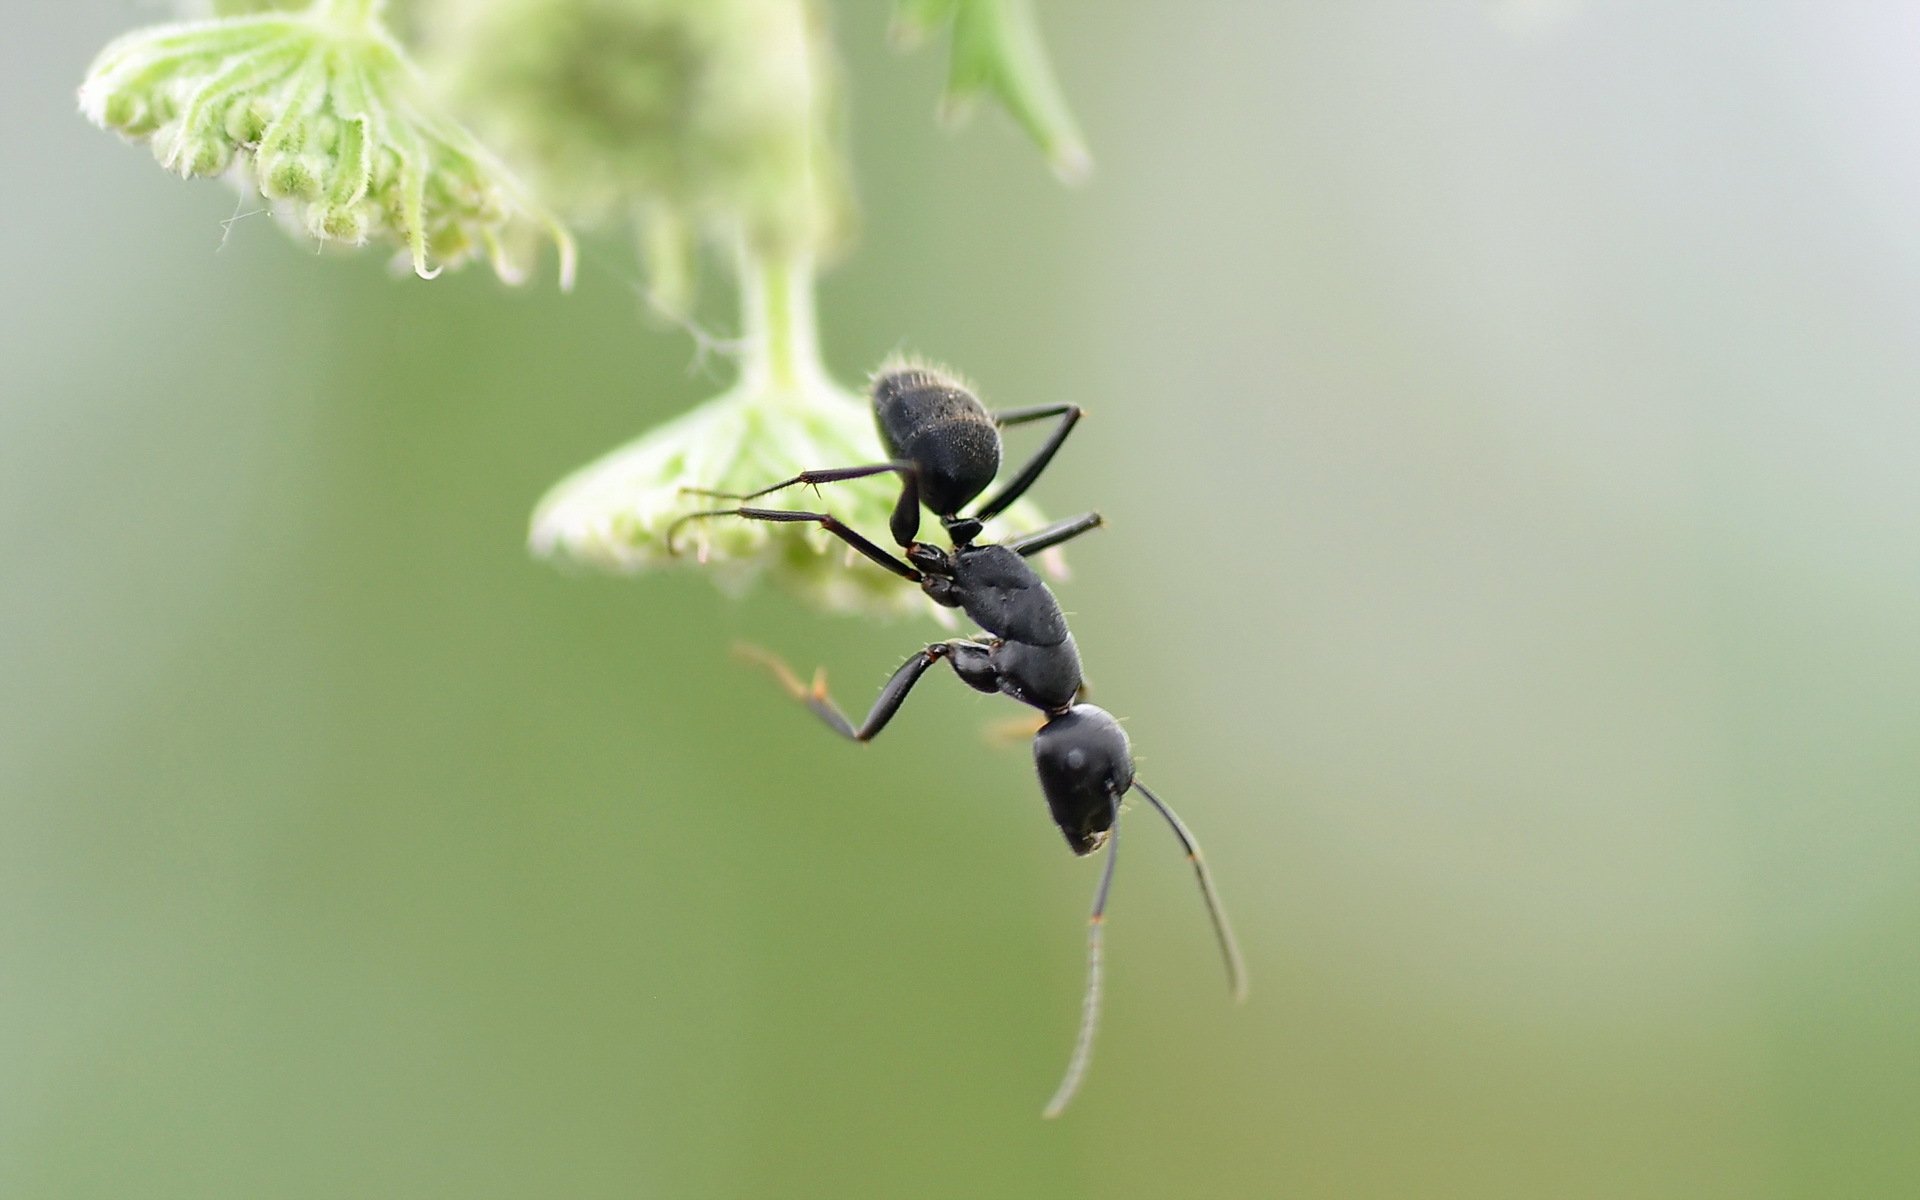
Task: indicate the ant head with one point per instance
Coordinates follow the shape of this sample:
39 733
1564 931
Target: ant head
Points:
1085 763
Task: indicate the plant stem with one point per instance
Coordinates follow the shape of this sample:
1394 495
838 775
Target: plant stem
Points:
776 317
356 14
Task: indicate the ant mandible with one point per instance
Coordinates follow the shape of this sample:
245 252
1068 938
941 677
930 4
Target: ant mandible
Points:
945 447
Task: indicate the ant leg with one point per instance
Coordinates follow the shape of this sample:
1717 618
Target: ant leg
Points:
1229 948
1090 1005
1005 733
1023 479
1002 734
814 695
1054 534
833 475
905 523
826 521
1039 412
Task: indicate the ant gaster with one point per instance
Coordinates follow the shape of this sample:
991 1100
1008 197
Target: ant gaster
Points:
945 447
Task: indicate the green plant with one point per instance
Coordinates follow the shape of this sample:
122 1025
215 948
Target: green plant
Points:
704 124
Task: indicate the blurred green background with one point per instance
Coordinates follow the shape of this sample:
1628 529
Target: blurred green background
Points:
1508 418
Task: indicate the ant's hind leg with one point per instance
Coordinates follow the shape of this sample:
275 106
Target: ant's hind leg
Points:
1017 486
814 695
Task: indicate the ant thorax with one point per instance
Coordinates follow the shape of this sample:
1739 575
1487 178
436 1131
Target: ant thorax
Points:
1005 597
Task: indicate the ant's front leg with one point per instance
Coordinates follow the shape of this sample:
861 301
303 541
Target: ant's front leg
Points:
814 695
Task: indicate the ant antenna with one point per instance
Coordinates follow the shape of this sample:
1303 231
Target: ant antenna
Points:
1229 948
1090 1006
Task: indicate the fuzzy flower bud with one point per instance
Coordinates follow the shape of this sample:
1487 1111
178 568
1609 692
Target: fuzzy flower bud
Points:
702 119
784 417
322 113
614 514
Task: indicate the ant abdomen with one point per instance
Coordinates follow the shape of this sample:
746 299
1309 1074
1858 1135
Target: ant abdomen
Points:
931 420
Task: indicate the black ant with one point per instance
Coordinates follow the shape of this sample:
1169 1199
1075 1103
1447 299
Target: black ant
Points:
946 449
